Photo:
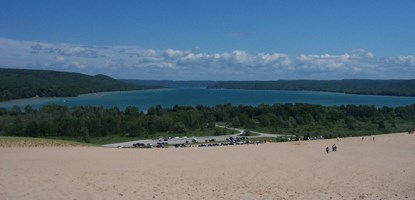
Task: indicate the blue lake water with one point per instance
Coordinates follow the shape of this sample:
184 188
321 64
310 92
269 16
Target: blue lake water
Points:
144 99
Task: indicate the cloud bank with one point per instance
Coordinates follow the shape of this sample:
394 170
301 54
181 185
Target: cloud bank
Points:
138 63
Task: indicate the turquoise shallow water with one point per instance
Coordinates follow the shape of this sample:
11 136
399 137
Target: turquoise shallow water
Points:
201 96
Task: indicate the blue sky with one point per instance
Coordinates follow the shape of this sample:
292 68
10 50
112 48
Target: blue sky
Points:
212 40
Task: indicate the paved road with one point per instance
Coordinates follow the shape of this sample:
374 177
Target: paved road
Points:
260 134
200 139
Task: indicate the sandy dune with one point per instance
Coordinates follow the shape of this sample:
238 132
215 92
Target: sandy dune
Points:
381 169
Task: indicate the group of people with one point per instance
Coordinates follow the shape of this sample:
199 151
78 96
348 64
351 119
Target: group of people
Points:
333 148
373 138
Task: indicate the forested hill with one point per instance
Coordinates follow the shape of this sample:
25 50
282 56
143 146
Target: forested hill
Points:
25 83
350 86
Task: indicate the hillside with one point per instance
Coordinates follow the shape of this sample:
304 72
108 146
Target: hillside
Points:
25 83
350 86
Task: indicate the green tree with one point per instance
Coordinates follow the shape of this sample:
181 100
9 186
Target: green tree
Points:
350 123
15 110
381 124
85 134
235 122
28 109
217 131
264 120
179 127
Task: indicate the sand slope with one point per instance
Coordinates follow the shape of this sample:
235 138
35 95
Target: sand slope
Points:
381 169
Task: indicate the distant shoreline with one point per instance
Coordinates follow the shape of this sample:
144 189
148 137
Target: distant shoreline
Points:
298 97
208 88
38 100
321 91
348 86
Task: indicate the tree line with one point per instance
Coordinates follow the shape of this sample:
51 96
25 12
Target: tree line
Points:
298 119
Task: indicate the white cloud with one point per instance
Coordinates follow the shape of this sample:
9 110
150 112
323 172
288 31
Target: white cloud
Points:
134 62
323 62
404 60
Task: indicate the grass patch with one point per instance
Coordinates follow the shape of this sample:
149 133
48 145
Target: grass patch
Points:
268 139
99 140
112 139
248 133
6 141
198 133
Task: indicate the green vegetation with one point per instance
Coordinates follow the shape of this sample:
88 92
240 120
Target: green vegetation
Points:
6 141
268 139
98 140
25 83
248 133
351 86
100 126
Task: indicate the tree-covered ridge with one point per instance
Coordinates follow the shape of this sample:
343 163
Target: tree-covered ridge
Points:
25 83
350 86
81 123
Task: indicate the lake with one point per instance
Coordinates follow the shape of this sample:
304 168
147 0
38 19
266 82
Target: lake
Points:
144 99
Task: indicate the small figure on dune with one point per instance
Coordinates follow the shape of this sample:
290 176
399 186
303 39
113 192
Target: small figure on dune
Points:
373 138
334 147
363 138
337 139
327 150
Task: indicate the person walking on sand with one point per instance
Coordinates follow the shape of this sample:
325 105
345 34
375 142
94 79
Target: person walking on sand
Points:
327 150
363 138
373 138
